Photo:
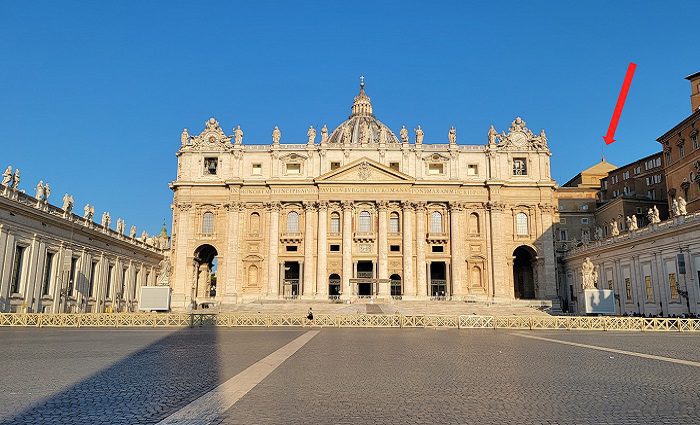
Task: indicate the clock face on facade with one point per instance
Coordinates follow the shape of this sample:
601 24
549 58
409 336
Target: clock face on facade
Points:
518 138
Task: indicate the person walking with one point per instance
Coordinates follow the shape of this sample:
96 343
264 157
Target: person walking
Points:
310 314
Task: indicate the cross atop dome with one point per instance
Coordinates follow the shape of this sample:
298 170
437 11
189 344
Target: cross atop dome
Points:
362 105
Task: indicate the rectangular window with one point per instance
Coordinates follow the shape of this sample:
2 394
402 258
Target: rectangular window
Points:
584 220
639 210
16 283
648 289
563 236
48 269
292 248
519 167
334 248
91 287
294 169
562 220
395 248
210 166
72 276
435 169
610 284
681 151
696 144
257 169
673 286
394 166
438 248
335 165
472 170
625 175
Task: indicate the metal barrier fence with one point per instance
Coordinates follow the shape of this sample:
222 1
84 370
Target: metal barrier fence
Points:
172 320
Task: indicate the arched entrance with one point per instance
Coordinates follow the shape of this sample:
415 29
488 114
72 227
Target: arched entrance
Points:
523 272
334 285
396 290
205 265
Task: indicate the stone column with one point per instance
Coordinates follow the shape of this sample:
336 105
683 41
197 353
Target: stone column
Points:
308 288
272 262
347 248
455 250
409 285
499 286
421 282
382 248
231 290
321 256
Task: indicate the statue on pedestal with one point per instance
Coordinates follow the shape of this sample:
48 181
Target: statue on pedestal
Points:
106 219
324 134
492 135
452 136
132 232
238 135
164 271
67 203
7 176
311 134
40 191
675 212
653 215
88 212
185 137
15 180
682 206
631 223
403 133
589 274
120 226
598 233
419 135
614 229
276 136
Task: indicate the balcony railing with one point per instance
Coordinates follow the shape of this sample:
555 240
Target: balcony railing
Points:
364 236
365 275
437 237
290 237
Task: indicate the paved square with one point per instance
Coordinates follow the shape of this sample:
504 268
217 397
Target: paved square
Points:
348 376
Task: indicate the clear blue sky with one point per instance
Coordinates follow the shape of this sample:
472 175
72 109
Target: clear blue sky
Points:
95 94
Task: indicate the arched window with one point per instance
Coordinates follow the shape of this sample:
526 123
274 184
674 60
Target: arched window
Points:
365 222
335 222
255 223
293 222
435 222
521 227
394 224
474 223
208 223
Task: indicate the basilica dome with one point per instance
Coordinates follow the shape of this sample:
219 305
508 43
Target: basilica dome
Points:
362 127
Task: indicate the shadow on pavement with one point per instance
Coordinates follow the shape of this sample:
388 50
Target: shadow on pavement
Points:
141 388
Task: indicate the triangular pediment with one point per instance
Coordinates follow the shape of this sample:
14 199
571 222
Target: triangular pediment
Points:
365 170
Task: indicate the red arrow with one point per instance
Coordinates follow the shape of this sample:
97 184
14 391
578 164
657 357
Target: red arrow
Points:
620 103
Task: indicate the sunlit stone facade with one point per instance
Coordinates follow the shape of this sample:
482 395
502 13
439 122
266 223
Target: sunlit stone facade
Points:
362 213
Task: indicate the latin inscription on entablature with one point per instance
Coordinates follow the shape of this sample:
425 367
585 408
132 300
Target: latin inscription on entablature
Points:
402 189
294 191
255 191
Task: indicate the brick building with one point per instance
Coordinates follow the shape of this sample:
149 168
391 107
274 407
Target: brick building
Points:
681 157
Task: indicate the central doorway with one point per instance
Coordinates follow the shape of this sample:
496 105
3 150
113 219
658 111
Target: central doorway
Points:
365 270
438 279
291 279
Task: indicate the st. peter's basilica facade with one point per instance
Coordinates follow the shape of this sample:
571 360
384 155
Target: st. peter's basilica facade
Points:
362 213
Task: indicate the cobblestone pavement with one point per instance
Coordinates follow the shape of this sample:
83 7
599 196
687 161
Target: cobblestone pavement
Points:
349 376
